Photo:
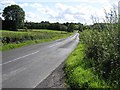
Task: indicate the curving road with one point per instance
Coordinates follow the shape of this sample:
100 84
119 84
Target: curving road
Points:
28 66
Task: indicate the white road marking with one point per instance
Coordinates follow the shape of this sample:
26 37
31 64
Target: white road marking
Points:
35 52
19 58
71 38
55 44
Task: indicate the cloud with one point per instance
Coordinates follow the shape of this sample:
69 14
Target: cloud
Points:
23 5
80 11
69 13
31 16
36 5
64 12
7 2
45 10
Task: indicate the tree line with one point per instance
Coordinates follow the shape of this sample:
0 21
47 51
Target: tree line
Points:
69 27
14 17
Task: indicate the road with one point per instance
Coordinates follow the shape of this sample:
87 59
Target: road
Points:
28 66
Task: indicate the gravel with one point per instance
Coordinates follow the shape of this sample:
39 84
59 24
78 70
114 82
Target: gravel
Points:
55 80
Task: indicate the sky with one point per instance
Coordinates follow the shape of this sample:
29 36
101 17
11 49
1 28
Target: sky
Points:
77 11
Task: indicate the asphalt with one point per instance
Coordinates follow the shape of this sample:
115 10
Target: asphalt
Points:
28 66
55 80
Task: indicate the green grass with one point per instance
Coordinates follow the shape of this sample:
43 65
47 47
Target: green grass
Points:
79 74
16 39
45 30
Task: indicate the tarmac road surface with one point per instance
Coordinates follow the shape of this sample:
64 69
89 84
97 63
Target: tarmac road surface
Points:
28 66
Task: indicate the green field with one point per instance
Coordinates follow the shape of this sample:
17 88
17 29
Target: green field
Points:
15 39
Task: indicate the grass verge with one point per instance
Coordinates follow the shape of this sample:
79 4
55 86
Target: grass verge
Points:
79 74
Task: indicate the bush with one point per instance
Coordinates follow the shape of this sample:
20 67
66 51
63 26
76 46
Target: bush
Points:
103 49
78 72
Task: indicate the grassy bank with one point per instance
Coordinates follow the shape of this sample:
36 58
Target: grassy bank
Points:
78 72
15 39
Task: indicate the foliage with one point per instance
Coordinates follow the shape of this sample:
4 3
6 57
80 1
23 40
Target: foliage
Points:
101 56
71 27
46 25
103 50
13 15
79 74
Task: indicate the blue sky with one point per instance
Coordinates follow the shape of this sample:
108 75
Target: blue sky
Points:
62 10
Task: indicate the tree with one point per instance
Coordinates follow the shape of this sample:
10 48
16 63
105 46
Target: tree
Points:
80 28
15 15
71 27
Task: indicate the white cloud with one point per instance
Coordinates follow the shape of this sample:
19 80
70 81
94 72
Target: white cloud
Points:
50 12
36 5
7 2
61 6
69 17
44 9
65 12
24 5
31 16
74 13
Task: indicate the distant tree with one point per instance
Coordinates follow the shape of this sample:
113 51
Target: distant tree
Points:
0 23
81 27
15 15
63 28
71 27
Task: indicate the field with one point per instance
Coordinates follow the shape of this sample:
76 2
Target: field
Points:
15 39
